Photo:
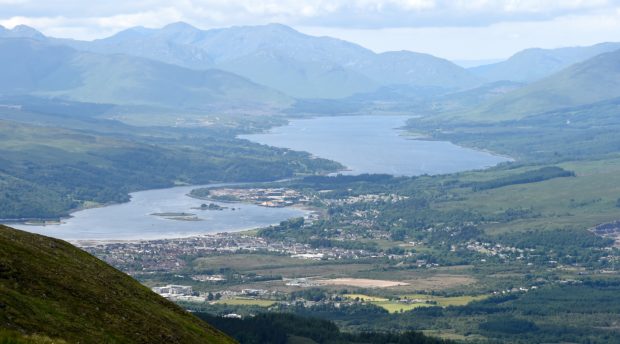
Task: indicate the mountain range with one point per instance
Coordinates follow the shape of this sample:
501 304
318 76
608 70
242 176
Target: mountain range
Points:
37 67
594 80
275 56
259 69
534 64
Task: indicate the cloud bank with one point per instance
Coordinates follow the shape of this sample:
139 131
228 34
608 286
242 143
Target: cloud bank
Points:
352 18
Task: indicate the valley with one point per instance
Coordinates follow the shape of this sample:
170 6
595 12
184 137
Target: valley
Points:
290 188
464 246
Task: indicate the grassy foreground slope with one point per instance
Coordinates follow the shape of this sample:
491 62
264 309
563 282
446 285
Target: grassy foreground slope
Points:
49 288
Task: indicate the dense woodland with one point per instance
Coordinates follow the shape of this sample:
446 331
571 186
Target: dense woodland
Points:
278 328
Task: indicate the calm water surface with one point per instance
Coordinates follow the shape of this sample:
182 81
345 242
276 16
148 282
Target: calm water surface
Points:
371 144
133 220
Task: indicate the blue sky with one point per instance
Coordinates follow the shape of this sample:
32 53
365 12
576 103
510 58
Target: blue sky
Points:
457 29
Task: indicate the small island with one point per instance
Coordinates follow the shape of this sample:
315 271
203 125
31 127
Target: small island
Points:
178 216
172 214
210 206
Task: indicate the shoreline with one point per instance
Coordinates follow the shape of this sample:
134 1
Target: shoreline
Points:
70 212
94 242
82 234
421 136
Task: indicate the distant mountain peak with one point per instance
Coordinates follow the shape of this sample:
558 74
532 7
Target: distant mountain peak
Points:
21 31
180 26
132 31
264 30
27 30
280 57
282 27
534 64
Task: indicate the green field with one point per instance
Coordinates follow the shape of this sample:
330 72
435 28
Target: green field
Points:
396 307
581 202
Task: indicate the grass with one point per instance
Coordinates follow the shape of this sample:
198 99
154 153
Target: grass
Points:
448 301
396 307
13 337
52 289
579 202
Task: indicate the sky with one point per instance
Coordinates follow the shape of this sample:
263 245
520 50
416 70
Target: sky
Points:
457 29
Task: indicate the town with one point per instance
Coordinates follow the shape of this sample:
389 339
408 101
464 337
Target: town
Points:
266 197
168 254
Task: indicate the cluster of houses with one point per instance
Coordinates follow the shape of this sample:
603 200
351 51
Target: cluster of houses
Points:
499 250
367 198
267 197
169 255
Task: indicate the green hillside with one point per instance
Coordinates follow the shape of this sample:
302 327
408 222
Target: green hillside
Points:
49 288
534 64
304 79
594 80
46 171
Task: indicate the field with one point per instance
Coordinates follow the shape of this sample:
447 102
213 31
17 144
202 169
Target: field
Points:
580 202
331 275
447 301
362 282
421 300
397 307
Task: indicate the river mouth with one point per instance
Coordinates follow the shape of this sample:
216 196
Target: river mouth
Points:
374 144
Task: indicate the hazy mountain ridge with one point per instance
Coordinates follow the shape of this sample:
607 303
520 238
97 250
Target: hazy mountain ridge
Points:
21 31
594 80
534 64
279 57
35 66
301 65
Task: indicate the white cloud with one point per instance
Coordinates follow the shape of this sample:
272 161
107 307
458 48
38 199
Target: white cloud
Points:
407 5
495 41
548 5
156 18
383 13
452 28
